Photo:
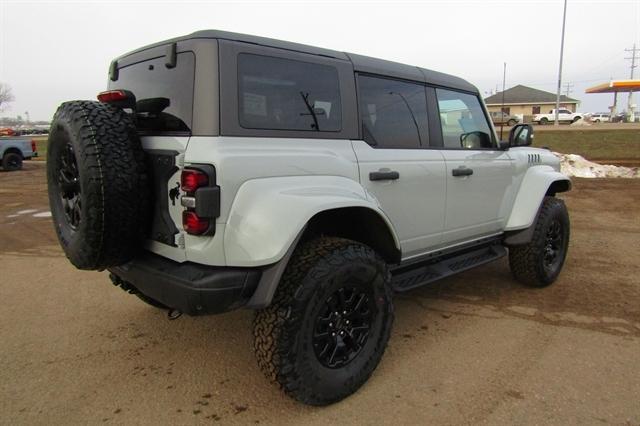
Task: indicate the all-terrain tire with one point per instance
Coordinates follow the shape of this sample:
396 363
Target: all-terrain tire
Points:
12 161
538 263
284 332
543 121
98 184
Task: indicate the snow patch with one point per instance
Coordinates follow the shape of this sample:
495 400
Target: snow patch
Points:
28 211
578 166
42 214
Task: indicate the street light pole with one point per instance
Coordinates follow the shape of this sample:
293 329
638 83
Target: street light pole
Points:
564 20
504 83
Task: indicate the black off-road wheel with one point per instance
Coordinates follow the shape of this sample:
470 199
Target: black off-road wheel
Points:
538 263
543 121
12 161
329 323
98 184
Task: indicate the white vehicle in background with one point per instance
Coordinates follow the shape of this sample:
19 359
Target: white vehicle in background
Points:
599 117
564 116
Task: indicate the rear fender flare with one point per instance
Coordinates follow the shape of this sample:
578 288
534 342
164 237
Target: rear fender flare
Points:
268 214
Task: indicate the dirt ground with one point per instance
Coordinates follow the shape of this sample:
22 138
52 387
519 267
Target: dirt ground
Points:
472 349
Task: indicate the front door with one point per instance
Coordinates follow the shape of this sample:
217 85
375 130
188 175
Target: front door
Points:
478 174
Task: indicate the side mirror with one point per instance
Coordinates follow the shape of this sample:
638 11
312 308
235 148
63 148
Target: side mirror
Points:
475 140
521 135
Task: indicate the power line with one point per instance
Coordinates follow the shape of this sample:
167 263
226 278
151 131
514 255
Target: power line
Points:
568 88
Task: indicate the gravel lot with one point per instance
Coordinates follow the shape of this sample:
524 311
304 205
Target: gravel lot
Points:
475 348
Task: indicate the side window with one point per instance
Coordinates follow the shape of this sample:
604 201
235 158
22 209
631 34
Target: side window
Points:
464 124
393 113
283 94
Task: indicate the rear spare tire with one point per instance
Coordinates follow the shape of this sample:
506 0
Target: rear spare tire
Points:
98 184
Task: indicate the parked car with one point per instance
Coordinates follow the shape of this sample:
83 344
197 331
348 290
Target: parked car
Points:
564 116
599 117
499 117
222 171
14 150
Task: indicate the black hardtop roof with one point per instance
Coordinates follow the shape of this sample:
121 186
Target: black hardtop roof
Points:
360 63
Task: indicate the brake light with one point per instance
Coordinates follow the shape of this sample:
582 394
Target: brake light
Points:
34 149
192 179
112 96
194 224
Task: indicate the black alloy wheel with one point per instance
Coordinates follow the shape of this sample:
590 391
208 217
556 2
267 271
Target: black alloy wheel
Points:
342 326
69 185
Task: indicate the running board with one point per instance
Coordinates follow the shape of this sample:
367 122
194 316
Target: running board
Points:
409 277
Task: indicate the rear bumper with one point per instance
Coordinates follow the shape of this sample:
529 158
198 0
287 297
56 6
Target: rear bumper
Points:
188 287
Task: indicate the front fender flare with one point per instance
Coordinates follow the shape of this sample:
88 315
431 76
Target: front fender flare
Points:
268 214
534 187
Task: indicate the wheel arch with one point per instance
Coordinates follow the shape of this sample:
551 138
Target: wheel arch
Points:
13 150
360 224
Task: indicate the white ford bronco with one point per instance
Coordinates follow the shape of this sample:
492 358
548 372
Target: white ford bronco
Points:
222 171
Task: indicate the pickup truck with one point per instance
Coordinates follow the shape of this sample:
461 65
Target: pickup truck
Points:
14 150
564 116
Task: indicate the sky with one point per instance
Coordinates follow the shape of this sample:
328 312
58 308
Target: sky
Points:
56 51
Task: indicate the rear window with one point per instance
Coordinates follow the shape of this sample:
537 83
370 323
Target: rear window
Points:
284 94
164 96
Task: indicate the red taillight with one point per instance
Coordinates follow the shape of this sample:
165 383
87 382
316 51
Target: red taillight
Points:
112 96
192 179
193 224
33 146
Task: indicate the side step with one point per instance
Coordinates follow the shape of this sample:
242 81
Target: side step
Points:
409 277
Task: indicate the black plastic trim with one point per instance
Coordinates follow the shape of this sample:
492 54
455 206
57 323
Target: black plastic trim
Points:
163 166
188 287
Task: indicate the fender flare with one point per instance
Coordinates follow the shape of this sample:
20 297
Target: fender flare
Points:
268 214
536 184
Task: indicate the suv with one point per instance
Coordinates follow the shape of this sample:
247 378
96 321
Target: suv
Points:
499 117
599 116
222 171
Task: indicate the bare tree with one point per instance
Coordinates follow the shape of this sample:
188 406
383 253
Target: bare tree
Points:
6 95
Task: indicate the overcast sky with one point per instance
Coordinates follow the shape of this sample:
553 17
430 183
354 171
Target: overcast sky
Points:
56 51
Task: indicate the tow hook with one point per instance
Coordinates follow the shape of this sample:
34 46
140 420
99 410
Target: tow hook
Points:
173 314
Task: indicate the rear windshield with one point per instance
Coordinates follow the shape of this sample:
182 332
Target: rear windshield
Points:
164 96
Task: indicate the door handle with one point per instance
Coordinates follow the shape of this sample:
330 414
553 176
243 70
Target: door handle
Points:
462 171
384 175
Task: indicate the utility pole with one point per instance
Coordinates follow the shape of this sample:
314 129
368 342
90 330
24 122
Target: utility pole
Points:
633 58
504 86
568 88
564 20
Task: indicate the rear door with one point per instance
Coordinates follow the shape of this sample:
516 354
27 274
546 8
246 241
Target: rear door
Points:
396 166
479 175
164 111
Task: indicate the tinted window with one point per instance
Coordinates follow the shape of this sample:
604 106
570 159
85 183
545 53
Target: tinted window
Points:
464 124
283 94
393 113
164 96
